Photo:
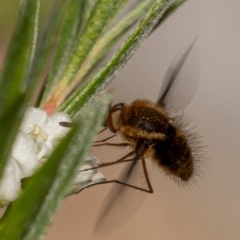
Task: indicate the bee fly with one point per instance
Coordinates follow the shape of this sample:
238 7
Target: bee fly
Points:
151 133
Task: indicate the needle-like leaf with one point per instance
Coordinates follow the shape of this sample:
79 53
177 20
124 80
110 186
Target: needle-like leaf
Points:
13 83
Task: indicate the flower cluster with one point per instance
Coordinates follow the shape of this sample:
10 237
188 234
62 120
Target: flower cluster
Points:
38 136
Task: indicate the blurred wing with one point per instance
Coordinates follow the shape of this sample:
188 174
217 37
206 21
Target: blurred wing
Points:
180 82
122 201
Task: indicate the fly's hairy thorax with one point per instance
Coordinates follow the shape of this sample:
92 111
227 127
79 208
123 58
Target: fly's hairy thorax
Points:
142 119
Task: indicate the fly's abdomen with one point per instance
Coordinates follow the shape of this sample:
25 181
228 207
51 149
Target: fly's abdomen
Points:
174 155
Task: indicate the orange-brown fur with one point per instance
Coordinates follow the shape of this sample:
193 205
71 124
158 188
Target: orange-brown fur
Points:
167 143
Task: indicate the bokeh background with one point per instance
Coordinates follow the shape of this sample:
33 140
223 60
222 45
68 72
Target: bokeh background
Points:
209 209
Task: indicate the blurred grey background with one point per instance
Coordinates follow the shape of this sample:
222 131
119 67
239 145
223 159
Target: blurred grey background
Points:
209 209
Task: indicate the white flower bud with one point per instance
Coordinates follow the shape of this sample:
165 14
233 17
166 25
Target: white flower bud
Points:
87 178
24 154
10 184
